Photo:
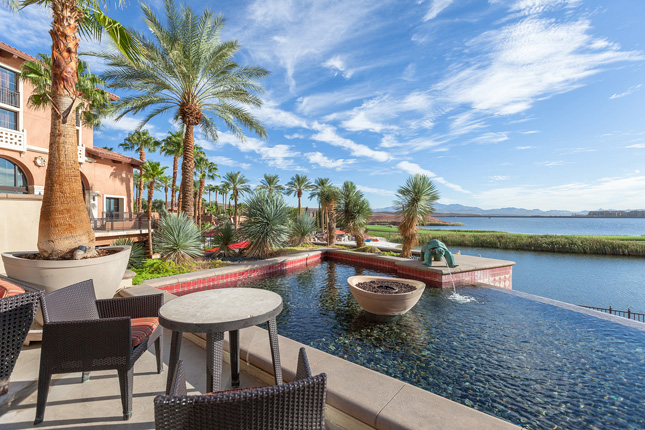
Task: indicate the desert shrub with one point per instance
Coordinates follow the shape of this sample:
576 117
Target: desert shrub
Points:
225 236
267 223
136 255
368 249
151 269
178 239
301 228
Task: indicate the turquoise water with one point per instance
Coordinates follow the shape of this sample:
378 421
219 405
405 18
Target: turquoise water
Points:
533 364
537 225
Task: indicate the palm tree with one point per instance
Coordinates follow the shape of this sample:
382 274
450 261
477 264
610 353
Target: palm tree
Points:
152 171
238 186
205 170
270 184
164 181
318 185
173 146
91 105
414 202
297 185
328 197
224 190
354 211
189 71
64 226
140 140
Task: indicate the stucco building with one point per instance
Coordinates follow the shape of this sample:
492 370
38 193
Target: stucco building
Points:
24 139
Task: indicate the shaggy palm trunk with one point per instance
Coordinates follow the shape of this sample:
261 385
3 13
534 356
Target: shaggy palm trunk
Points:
216 210
180 199
331 226
299 196
142 157
408 231
151 191
187 172
202 184
175 168
235 220
64 222
166 199
360 239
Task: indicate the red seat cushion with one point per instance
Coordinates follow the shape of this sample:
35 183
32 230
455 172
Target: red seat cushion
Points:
142 328
7 289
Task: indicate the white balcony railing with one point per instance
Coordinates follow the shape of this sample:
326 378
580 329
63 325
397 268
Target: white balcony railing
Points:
14 140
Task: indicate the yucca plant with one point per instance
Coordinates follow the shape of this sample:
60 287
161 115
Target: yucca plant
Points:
137 254
178 239
266 226
301 228
225 236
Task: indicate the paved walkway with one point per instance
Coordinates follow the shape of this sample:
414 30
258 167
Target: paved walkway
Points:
96 404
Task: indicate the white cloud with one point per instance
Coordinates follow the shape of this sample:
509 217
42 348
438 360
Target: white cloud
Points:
436 6
413 169
225 161
327 134
338 64
526 61
499 178
524 148
271 114
379 191
624 192
279 156
319 159
629 91
315 103
550 163
528 7
491 137
636 145
27 28
126 124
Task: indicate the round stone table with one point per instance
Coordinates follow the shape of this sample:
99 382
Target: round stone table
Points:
214 312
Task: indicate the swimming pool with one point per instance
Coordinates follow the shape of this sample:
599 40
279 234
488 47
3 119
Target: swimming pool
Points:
536 365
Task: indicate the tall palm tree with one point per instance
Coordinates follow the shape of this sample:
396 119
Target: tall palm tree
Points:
64 227
173 146
93 102
238 186
224 190
354 211
270 184
414 202
205 170
328 197
164 182
297 185
140 140
189 71
152 171
318 185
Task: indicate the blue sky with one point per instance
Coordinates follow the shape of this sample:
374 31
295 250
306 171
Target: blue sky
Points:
525 103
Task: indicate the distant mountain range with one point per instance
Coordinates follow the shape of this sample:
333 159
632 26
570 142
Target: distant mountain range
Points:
455 209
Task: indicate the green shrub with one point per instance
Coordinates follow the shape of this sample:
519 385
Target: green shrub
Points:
178 239
267 223
136 255
301 228
368 249
151 269
225 236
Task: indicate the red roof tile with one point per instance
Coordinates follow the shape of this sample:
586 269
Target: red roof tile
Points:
115 156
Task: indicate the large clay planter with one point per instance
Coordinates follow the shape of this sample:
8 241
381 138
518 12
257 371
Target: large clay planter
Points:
51 275
385 304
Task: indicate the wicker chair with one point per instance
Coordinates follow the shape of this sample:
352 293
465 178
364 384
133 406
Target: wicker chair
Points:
16 316
295 405
82 334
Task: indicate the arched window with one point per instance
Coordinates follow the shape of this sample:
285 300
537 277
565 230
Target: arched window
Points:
12 179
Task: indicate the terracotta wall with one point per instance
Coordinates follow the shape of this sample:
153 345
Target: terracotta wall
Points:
19 216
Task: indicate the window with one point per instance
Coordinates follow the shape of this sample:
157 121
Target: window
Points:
112 207
9 88
12 179
8 119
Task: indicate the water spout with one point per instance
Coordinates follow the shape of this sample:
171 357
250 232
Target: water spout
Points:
456 297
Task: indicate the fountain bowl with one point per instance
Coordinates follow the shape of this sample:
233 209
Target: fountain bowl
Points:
385 304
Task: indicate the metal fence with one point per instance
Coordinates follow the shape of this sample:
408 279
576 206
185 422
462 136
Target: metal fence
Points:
122 223
8 97
625 314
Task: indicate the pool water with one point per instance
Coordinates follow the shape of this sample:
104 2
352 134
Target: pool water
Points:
533 364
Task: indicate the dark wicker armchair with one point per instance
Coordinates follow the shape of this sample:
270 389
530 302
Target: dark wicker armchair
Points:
295 405
16 316
82 334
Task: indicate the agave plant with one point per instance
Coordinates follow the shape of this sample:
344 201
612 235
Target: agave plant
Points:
137 254
266 226
178 239
225 236
301 228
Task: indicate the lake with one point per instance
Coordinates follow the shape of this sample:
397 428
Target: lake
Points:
533 225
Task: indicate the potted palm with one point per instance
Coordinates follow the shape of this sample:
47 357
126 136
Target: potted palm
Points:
66 245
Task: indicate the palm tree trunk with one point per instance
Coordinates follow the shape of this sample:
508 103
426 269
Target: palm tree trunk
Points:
188 171
166 202
64 222
142 157
235 220
408 230
151 190
202 183
216 210
360 239
175 168
299 196
180 197
331 227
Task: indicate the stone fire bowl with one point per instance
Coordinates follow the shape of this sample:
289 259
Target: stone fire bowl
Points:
385 304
